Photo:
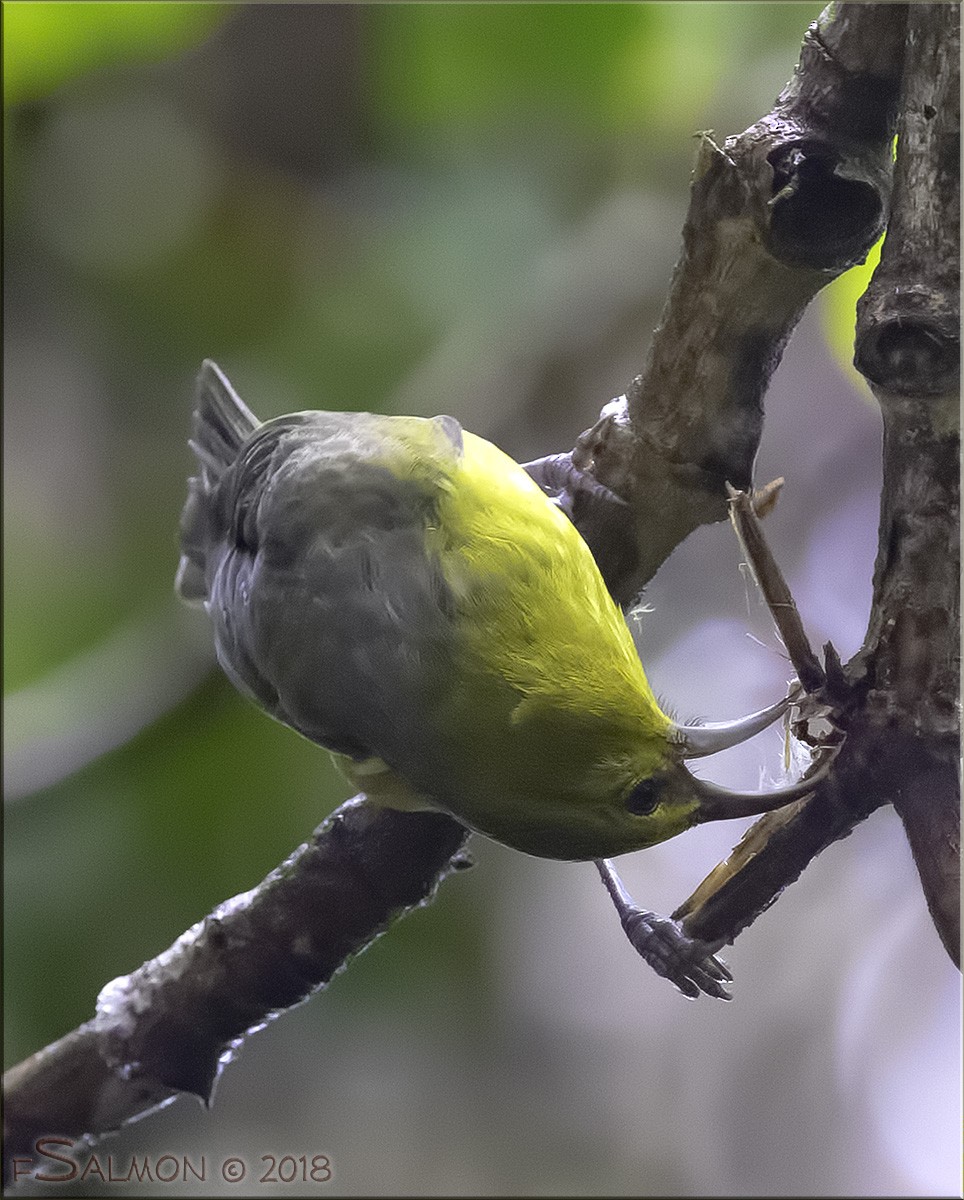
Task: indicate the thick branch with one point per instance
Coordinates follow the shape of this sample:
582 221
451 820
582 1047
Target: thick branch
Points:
170 1026
908 333
775 214
899 697
908 346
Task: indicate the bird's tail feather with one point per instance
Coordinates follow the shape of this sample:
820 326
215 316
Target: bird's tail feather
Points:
222 424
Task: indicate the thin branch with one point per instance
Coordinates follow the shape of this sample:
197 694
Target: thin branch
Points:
770 580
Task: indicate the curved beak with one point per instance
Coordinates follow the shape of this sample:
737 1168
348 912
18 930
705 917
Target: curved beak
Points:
720 804
695 741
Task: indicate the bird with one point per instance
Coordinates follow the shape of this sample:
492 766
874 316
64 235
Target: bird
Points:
399 591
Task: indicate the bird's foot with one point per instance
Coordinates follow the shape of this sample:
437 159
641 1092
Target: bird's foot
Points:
688 963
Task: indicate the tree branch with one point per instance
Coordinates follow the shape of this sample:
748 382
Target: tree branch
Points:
898 698
770 581
775 214
908 346
173 1024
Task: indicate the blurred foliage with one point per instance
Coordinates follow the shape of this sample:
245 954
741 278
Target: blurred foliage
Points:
597 69
48 44
470 208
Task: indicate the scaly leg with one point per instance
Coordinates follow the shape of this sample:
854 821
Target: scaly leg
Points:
689 964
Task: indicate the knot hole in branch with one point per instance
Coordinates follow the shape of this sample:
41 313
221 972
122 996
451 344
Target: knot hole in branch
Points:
911 345
819 217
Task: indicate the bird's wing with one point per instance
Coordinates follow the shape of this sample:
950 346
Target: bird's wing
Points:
328 609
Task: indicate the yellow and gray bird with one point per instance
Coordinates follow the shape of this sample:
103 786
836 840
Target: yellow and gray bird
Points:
401 592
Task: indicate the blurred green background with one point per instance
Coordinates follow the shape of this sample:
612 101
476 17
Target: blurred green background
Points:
421 208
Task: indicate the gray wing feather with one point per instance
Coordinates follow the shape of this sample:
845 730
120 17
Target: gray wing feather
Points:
327 608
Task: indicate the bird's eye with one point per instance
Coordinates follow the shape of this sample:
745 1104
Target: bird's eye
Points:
644 797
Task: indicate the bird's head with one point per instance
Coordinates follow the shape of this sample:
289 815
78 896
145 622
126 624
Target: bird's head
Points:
669 798
633 798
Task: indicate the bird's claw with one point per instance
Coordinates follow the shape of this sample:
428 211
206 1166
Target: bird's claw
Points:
689 964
